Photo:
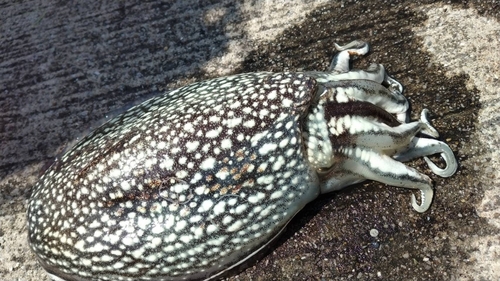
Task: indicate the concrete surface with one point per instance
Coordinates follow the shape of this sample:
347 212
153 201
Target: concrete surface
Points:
64 66
476 45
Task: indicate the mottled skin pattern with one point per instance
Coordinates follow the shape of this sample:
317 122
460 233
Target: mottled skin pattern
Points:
193 182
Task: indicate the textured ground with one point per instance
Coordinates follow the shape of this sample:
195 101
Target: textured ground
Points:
65 65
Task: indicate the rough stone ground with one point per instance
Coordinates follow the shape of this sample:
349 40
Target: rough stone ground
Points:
65 65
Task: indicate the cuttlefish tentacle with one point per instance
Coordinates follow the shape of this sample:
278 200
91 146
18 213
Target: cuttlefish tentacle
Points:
340 62
429 130
382 168
423 147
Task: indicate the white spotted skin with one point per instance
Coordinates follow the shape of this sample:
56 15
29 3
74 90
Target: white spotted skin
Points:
180 186
192 183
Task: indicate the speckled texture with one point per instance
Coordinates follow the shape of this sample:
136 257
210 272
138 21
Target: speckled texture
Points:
181 186
59 76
